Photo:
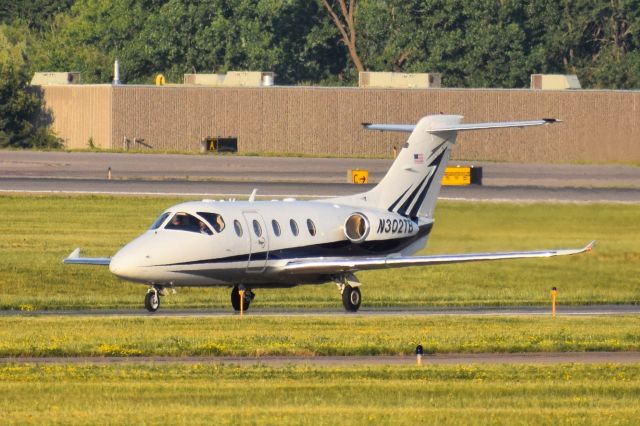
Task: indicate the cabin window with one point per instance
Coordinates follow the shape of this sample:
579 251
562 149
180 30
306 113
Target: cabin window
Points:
276 227
257 228
186 222
160 220
215 220
237 227
311 227
294 227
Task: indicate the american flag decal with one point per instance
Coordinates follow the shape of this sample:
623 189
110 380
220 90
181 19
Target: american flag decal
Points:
418 158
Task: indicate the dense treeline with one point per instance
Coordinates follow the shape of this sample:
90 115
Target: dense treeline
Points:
485 43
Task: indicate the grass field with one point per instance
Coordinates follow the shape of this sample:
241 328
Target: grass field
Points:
38 231
227 394
312 335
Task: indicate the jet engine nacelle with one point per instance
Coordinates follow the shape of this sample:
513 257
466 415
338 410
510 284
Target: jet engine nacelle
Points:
373 226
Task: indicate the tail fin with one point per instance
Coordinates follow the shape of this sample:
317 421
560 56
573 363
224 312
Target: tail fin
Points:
412 184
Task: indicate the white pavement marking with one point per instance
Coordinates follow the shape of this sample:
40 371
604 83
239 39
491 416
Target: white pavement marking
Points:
535 200
278 196
169 194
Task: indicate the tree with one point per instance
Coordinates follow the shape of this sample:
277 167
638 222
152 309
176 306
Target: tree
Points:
36 14
20 108
486 43
594 39
176 36
343 16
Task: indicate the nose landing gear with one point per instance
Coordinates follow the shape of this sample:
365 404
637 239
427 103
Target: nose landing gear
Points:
152 298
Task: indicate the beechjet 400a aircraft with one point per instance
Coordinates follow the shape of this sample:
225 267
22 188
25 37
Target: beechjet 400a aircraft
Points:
279 244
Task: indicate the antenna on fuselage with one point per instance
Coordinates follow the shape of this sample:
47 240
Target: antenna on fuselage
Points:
252 197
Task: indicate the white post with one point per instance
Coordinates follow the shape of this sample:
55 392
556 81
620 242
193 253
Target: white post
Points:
116 72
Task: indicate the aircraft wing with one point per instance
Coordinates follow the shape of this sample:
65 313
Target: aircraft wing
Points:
338 265
75 259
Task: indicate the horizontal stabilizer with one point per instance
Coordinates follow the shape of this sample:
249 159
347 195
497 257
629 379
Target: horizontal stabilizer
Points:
496 125
333 265
408 128
75 259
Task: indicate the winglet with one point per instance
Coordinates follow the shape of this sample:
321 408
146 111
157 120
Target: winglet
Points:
252 197
590 246
74 254
75 259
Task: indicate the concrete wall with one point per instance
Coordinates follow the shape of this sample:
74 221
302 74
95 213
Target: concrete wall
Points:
599 126
80 112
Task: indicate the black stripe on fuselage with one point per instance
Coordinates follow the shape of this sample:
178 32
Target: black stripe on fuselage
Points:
433 151
425 191
344 248
422 189
403 208
395 203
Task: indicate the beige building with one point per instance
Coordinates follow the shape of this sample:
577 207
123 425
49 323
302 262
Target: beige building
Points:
599 126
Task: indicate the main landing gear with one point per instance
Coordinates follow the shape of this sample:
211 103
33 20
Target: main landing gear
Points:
351 298
235 298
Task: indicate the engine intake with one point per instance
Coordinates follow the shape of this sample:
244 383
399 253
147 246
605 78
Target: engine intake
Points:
357 227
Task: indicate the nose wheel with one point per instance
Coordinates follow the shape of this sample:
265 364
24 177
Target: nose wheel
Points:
152 300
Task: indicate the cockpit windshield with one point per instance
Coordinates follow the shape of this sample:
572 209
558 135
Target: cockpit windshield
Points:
215 220
159 221
186 222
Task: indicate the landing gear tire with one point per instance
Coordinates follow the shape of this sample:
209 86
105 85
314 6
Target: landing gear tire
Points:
351 298
235 299
152 300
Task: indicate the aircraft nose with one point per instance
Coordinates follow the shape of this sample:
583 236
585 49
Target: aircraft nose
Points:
120 266
133 261
125 264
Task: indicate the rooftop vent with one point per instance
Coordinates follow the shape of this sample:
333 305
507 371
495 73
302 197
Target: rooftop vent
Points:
232 79
55 78
555 82
399 80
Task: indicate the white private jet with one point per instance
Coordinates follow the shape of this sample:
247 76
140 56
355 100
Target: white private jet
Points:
279 244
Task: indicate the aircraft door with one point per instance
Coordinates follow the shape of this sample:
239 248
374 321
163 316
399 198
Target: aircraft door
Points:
259 242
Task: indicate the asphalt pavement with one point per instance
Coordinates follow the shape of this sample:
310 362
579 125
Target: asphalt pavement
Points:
581 310
351 361
237 176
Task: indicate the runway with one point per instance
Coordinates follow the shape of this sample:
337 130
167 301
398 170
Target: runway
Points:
586 310
270 190
526 358
94 165
352 361
277 177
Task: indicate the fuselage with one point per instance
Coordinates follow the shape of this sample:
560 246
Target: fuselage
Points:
252 244
218 243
